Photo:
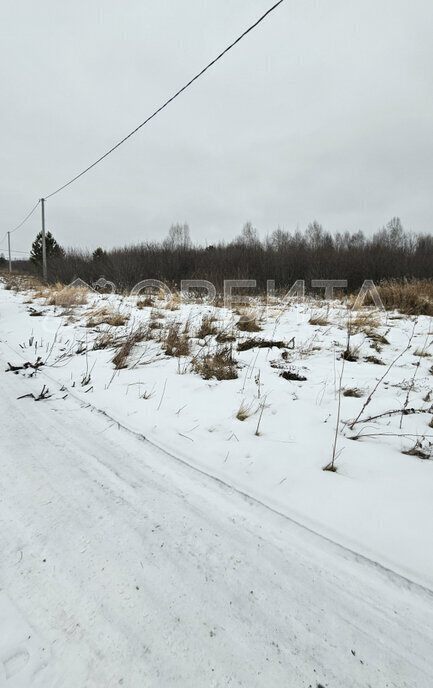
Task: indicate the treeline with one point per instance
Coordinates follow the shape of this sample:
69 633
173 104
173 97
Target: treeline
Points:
314 254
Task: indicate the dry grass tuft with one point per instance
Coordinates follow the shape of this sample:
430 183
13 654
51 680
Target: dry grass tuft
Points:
173 303
106 340
248 323
318 319
106 316
66 296
147 302
207 327
292 375
411 297
376 337
175 342
155 320
245 411
363 321
376 347
17 281
351 353
218 364
120 360
421 353
225 336
374 359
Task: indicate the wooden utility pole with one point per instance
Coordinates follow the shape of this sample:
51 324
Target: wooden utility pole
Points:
9 249
44 246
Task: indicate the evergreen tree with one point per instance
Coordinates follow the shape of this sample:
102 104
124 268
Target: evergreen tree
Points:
99 254
53 249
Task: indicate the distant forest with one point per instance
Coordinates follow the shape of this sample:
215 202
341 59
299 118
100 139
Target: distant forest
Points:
390 253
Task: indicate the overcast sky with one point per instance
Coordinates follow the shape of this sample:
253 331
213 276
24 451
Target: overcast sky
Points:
324 112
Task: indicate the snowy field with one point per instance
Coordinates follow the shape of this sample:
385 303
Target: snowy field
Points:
123 566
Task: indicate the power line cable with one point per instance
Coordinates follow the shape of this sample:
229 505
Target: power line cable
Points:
27 217
167 102
14 251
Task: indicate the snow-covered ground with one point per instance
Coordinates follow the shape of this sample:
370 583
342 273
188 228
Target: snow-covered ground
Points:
121 565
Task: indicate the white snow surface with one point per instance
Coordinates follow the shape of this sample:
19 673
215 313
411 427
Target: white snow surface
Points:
163 543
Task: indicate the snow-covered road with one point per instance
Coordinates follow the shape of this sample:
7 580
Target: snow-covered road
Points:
122 567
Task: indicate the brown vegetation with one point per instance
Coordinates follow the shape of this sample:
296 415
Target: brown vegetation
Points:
120 360
207 327
176 342
353 392
258 343
318 319
248 323
412 297
218 364
106 316
66 296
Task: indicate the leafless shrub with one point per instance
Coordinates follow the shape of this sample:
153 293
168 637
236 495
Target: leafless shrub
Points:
280 255
374 390
420 353
387 414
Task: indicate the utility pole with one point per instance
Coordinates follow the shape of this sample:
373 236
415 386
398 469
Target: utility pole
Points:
9 248
44 246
